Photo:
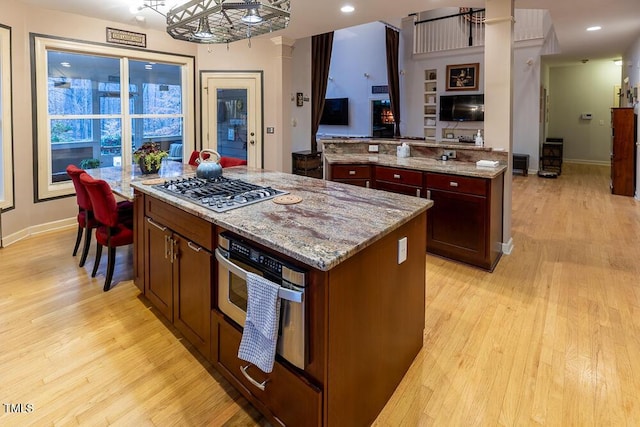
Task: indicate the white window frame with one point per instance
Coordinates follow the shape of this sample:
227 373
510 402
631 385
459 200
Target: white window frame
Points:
46 189
6 129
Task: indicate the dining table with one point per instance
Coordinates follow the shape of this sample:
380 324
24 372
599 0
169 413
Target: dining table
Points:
120 178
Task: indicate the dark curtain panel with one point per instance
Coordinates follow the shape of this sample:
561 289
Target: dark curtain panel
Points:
393 43
320 60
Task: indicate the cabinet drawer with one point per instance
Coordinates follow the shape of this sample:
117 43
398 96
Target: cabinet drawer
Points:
399 176
190 226
289 397
350 172
458 184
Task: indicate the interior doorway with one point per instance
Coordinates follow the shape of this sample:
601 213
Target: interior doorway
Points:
382 122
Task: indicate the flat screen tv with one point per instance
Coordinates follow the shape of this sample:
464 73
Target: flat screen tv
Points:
462 108
336 112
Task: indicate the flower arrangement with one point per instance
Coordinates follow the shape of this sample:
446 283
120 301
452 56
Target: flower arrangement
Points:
149 156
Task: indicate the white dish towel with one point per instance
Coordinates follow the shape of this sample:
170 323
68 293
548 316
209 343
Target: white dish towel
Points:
260 335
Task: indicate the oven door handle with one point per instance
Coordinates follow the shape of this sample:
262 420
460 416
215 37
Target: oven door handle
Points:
283 293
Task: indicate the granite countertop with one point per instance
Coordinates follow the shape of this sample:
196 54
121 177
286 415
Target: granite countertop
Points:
418 163
331 223
120 178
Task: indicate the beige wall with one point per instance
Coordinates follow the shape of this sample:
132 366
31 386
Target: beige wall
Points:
577 89
29 217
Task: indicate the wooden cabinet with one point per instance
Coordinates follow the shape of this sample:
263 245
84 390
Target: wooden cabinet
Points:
281 394
623 157
403 181
366 325
359 175
179 269
465 222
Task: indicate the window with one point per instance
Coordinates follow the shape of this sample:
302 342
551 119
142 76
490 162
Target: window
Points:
96 104
6 132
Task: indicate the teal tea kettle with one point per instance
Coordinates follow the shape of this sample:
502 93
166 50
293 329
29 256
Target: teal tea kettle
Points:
209 168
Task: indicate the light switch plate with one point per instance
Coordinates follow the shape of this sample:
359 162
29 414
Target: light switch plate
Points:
373 148
402 250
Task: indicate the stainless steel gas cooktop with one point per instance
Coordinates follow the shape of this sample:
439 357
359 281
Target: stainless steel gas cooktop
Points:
220 194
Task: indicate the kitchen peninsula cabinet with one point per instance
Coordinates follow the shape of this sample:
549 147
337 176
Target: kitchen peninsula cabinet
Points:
179 269
465 223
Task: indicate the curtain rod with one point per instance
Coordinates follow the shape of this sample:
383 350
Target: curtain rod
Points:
393 27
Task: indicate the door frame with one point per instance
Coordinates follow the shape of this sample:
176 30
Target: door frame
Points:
258 77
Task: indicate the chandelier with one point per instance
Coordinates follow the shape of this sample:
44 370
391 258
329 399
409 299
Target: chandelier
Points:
221 21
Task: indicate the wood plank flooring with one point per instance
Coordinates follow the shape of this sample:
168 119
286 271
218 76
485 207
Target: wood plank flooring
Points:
551 337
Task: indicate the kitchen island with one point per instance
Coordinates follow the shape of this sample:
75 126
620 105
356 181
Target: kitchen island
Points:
364 299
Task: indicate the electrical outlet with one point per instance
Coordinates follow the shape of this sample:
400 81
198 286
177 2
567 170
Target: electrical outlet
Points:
450 154
373 148
402 250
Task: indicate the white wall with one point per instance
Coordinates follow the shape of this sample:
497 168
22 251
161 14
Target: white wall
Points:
577 89
301 116
356 51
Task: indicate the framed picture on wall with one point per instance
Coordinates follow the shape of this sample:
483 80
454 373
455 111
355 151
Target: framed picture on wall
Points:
463 76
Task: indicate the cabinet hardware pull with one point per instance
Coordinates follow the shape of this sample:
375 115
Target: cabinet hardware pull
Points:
366 184
194 246
261 385
453 184
352 172
417 192
174 253
155 224
429 194
396 176
166 248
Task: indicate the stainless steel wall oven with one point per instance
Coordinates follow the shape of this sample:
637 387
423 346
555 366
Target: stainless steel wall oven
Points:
235 258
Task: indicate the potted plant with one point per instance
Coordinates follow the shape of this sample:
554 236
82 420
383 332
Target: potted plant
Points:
149 156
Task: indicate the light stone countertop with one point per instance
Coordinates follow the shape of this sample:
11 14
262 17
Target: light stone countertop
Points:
333 222
417 163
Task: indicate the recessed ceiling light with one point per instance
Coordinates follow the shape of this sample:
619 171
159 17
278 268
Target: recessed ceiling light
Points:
347 8
594 28
618 62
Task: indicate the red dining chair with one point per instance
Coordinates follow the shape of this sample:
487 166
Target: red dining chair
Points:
225 162
86 221
85 218
115 228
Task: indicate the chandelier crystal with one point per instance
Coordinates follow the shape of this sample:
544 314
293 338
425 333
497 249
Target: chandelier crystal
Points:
222 21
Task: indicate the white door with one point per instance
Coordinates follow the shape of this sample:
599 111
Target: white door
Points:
232 115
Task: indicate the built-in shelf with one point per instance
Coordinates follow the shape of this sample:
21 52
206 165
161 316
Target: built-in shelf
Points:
430 114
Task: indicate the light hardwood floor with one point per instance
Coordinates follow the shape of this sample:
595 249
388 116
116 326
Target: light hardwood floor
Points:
551 337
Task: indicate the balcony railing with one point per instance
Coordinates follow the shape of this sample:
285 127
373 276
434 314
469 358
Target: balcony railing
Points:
466 29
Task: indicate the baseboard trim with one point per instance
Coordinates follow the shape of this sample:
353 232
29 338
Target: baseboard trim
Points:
588 162
507 248
39 229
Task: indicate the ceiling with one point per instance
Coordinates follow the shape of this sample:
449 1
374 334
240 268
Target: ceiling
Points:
619 19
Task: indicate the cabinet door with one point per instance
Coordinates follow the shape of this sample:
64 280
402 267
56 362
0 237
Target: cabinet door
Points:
456 227
193 268
159 268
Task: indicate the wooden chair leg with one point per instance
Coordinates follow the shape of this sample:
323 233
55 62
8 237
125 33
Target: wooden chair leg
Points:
111 261
96 262
85 249
78 239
